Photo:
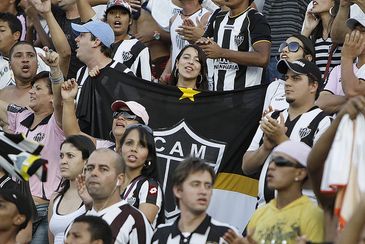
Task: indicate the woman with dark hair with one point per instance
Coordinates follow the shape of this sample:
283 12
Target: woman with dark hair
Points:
317 26
66 204
190 70
141 188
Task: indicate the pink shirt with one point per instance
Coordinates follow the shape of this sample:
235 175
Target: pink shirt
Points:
47 133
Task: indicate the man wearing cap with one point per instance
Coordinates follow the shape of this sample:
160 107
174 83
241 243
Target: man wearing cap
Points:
15 213
126 49
302 121
290 215
124 114
93 49
353 75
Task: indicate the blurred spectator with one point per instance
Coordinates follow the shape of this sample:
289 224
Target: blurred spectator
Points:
190 70
104 176
302 121
241 53
13 7
295 47
15 214
89 229
317 26
192 186
290 214
285 18
66 204
141 188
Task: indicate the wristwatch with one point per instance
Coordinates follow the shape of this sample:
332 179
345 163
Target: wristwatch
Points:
156 35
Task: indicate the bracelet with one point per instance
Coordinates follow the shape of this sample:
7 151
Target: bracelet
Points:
56 80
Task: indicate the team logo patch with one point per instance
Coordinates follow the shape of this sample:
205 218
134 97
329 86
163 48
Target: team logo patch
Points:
303 132
39 137
131 201
153 190
126 56
239 40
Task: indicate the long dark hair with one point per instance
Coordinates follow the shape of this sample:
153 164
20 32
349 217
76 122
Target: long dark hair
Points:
146 138
202 84
81 143
318 31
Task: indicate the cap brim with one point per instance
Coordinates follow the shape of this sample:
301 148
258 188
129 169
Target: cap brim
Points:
117 105
283 66
78 28
352 23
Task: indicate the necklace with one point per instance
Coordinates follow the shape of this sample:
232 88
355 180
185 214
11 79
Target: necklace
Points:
188 15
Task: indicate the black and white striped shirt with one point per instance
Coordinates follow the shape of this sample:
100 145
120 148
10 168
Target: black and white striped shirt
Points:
83 74
209 231
135 55
238 33
127 223
323 50
307 128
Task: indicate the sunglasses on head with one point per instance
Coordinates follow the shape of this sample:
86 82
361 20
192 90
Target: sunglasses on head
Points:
145 127
125 115
292 46
282 162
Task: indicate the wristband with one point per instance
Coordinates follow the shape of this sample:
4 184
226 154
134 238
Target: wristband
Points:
56 80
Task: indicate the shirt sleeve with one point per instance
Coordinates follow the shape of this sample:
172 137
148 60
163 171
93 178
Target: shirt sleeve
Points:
151 193
322 127
259 27
333 79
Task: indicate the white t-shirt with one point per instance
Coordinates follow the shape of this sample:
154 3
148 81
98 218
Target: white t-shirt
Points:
275 96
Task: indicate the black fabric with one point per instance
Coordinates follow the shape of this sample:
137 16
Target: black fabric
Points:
216 126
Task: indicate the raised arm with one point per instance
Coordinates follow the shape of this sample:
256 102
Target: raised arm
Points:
329 102
58 36
320 150
52 59
339 27
70 125
353 47
85 10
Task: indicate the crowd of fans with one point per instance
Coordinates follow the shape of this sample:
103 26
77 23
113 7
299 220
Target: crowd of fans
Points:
309 54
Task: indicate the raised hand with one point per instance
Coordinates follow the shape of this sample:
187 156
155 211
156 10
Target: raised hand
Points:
50 57
69 89
354 45
81 189
42 6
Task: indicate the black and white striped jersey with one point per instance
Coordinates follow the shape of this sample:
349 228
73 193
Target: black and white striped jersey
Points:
209 231
83 74
127 223
238 33
135 55
307 128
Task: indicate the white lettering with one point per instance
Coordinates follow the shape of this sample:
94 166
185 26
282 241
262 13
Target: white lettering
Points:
199 154
159 149
177 148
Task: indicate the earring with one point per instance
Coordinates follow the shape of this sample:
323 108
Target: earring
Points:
296 179
147 164
200 80
331 11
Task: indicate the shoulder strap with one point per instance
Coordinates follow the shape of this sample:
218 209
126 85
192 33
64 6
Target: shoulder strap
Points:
329 60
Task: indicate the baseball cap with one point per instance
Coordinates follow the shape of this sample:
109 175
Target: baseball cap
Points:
295 149
100 29
133 106
118 3
22 204
302 67
356 20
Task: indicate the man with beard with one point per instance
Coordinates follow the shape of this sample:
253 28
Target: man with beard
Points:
302 121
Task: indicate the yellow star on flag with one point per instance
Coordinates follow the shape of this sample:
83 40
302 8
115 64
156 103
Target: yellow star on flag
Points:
188 93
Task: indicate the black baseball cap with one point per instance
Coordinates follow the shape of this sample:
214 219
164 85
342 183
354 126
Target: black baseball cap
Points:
21 202
302 67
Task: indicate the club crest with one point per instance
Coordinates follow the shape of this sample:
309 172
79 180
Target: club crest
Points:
304 132
239 40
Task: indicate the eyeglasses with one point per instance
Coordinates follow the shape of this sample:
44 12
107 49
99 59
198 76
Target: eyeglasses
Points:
125 115
145 127
282 162
292 46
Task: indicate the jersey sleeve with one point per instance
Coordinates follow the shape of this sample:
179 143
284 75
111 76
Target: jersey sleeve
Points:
259 27
333 80
151 193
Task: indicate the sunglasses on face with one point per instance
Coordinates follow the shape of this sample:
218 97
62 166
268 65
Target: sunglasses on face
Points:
125 115
292 46
282 162
145 127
